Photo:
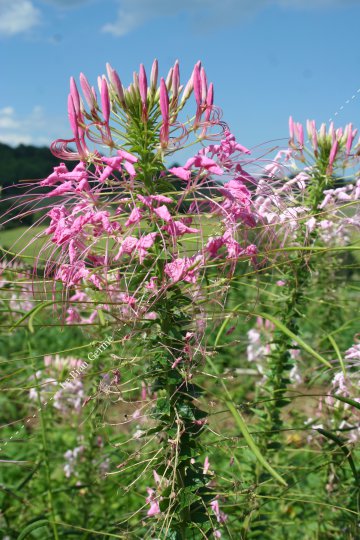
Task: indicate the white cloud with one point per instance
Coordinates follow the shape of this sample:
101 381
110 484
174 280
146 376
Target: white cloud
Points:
66 3
17 16
30 129
134 13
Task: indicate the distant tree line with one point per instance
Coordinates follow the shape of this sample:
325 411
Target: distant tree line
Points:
17 167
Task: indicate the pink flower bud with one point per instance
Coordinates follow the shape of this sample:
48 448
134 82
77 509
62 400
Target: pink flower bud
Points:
75 95
203 79
187 90
105 100
291 129
136 81
169 79
210 96
322 132
88 94
143 85
72 117
350 138
332 132
164 107
116 84
164 101
333 152
154 76
300 134
197 84
176 80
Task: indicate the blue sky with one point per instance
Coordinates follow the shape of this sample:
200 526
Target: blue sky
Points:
267 59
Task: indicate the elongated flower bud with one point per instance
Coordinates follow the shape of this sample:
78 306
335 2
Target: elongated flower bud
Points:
322 132
169 79
197 84
105 100
88 94
291 129
143 89
299 131
75 95
135 81
164 101
164 108
333 152
176 81
72 116
209 103
350 139
203 79
187 91
117 86
210 96
99 83
154 76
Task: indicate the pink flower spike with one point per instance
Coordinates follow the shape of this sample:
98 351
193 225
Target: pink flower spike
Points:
105 100
154 76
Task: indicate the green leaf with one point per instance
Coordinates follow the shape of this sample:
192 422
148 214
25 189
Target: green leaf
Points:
245 432
31 314
32 527
341 443
251 443
296 338
347 400
186 497
338 353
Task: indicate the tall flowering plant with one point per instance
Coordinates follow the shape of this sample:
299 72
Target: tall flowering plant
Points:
310 205
154 247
